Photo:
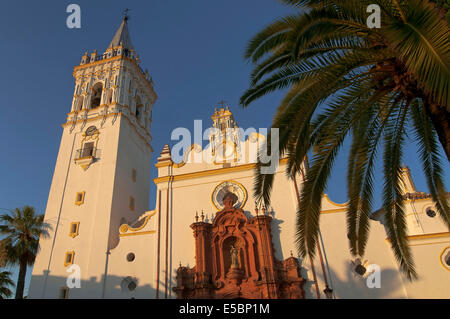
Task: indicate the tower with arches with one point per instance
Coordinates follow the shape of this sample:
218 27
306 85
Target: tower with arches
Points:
102 173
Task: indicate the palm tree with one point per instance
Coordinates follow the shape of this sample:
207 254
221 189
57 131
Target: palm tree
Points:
22 229
373 85
5 282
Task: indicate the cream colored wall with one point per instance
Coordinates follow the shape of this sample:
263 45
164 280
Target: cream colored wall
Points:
124 186
94 214
337 261
434 279
426 246
419 222
141 243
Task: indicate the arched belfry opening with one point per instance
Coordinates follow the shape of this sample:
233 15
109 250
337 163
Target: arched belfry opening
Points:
139 108
96 97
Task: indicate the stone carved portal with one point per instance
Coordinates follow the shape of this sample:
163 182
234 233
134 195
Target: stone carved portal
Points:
234 258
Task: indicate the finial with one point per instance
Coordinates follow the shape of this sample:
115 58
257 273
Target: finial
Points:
180 264
125 14
196 216
292 255
264 209
256 208
203 216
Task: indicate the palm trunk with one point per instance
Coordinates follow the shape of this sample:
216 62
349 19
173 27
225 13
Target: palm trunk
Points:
441 121
21 279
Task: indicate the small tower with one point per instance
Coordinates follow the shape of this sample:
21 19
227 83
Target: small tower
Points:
407 181
225 136
102 173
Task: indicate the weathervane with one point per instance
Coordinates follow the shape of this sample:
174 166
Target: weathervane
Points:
125 13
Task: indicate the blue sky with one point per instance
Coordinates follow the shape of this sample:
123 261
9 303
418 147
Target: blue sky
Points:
193 50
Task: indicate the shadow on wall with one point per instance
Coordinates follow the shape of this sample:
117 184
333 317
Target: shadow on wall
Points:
115 287
354 286
276 231
351 286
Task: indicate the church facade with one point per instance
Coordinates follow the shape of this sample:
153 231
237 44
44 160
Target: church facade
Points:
206 237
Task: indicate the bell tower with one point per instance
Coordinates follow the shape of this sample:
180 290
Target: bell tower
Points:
102 173
225 138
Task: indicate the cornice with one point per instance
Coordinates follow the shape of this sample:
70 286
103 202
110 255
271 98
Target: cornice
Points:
426 236
211 172
121 114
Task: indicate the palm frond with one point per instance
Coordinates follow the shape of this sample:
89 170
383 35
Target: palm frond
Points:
393 200
431 160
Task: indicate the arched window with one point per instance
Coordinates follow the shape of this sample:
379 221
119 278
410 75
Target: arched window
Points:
96 95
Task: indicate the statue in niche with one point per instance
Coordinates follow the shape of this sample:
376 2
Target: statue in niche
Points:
234 257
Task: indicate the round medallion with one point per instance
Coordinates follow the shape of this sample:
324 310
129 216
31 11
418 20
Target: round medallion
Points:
229 187
91 130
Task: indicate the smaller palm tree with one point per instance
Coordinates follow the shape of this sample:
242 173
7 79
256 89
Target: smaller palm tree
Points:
22 228
5 282
3 255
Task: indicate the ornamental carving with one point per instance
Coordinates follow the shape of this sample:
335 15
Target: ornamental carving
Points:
234 258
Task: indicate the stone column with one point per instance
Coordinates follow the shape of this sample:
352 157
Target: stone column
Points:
203 262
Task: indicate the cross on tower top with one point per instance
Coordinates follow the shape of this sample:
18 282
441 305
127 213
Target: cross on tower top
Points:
222 103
